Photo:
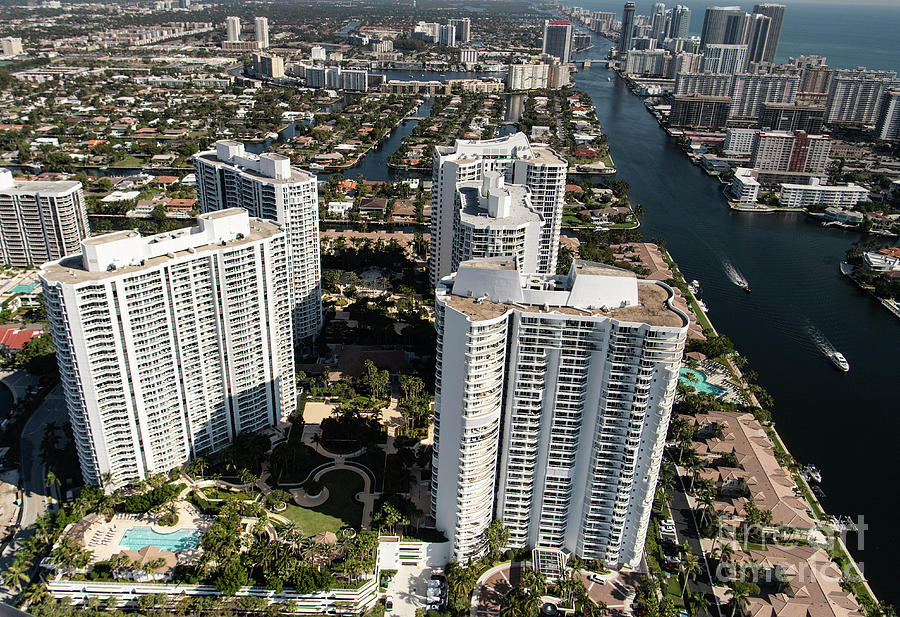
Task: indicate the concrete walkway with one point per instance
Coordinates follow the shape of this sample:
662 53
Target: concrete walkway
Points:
366 497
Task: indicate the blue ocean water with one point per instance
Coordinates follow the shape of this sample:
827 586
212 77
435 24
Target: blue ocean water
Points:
849 34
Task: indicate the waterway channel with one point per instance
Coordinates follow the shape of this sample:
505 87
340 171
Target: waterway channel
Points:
847 424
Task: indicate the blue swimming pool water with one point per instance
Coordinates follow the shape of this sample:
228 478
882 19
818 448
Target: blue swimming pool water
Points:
137 538
698 382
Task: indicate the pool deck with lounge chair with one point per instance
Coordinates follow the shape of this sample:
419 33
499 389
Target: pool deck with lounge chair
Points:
104 538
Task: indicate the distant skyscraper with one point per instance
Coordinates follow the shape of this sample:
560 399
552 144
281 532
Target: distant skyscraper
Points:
855 95
729 59
758 37
447 35
463 29
681 22
782 156
658 22
724 25
627 32
170 345
232 29
268 65
268 187
552 399
749 92
558 36
775 12
40 220
11 46
262 31
888 127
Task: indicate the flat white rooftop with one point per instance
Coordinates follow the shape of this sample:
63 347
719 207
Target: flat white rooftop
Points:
121 252
485 289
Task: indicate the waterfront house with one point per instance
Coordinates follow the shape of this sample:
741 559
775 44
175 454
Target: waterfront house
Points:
883 260
846 217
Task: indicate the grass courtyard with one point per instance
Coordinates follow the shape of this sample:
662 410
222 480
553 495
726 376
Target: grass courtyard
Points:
341 509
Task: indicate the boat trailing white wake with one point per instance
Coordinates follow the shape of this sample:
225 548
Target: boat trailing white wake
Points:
735 276
825 346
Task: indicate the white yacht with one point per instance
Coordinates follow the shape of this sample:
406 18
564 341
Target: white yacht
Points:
840 361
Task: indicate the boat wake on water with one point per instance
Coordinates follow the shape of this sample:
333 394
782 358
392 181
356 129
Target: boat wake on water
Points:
735 276
819 339
825 346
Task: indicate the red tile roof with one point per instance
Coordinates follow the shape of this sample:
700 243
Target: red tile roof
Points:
15 338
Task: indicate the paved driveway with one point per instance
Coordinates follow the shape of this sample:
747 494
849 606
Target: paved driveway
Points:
409 588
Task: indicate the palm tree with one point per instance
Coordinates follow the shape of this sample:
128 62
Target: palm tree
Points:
565 586
35 594
706 501
536 583
117 564
107 479
739 598
459 584
16 575
726 553
690 568
699 603
151 567
519 602
694 467
52 480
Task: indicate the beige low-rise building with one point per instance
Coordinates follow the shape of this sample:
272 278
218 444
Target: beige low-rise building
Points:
811 584
758 475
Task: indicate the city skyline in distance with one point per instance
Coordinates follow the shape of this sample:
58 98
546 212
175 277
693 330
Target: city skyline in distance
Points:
847 36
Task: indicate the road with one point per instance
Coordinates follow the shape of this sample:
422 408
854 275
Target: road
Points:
34 503
688 531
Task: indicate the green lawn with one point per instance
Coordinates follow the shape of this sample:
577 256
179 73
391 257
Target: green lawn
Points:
673 590
341 508
129 161
244 495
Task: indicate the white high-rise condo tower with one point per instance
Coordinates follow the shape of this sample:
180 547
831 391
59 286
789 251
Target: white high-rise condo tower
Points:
232 29
494 219
552 401
269 188
539 169
262 32
39 221
170 345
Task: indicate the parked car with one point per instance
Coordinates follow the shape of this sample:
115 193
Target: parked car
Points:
596 578
389 602
671 562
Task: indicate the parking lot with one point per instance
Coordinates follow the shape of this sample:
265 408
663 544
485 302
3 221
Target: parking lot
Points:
409 590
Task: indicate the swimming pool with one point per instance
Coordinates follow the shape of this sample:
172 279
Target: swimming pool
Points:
698 380
137 538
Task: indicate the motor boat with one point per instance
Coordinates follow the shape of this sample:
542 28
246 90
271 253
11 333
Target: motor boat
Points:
810 473
840 361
